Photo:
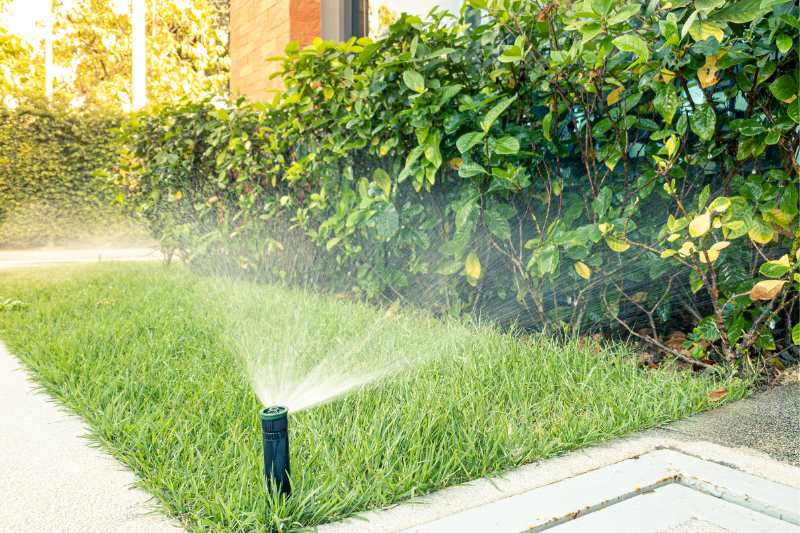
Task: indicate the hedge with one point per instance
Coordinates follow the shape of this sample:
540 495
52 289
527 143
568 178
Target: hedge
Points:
49 190
596 165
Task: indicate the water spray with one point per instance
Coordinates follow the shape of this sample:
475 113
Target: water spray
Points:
274 427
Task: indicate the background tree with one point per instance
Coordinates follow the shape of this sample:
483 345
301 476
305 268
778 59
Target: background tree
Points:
186 52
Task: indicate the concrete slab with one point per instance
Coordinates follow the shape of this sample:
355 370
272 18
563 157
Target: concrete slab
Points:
51 479
649 493
676 508
50 256
485 492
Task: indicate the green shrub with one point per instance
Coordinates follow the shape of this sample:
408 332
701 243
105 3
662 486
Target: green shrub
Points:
49 190
590 165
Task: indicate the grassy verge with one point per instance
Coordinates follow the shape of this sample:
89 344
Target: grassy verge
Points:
148 356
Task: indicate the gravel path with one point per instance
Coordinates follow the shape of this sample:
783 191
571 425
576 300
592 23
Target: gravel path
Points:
51 478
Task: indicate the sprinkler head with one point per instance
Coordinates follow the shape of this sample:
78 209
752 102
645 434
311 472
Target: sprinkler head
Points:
274 427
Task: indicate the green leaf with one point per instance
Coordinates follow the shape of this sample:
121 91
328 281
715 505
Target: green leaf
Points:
331 244
602 7
511 54
468 140
776 268
623 14
703 121
494 113
507 145
784 43
784 88
633 44
695 281
431 150
382 180
705 6
470 168
740 12
547 123
496 222
602 201
387 223
544 260
414 81
666 102
703 197
796 334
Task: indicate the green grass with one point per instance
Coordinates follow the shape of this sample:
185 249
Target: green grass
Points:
147 356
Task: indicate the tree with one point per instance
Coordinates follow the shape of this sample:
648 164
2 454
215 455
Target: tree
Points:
16 70
186 53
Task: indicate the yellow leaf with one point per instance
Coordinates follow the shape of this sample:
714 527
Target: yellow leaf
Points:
617 245
700 31
779 217
700 225
767 289
761 234
178 195
604 228
719 246
671 145
327 93
583 270
472 267
639 297
667 75
673 237
783 261
667 253
613 96
707 74
709 256
720 204
686 249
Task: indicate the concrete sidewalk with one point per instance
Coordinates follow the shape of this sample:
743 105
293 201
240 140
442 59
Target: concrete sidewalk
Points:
726 471
51 478
50 256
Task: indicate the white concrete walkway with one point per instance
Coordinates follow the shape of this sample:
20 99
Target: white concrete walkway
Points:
51 480
50 256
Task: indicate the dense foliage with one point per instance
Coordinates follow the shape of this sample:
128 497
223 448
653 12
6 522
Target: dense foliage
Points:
49 189
588 164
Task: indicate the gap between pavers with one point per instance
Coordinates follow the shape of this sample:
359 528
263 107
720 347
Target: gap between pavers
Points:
51 476
485 491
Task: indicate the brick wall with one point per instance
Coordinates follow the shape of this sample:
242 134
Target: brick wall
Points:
260 29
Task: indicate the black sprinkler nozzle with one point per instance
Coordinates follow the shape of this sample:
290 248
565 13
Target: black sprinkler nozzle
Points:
274 426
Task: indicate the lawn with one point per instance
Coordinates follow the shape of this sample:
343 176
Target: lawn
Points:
156 361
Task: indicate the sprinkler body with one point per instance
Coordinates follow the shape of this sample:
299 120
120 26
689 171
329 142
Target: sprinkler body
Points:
274 427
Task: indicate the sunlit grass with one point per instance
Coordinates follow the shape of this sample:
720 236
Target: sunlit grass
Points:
143 354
